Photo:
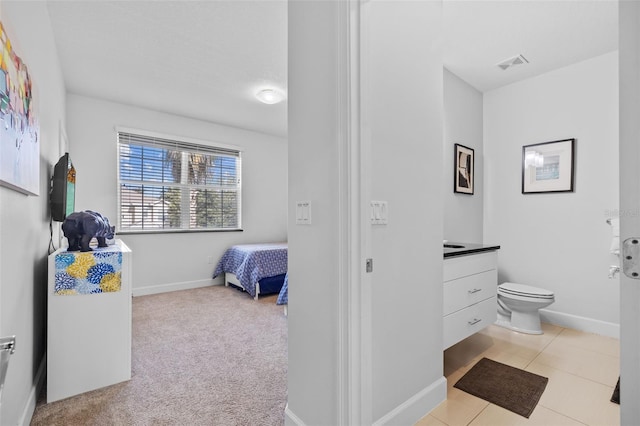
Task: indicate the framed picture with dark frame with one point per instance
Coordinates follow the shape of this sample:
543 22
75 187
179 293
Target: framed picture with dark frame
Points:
548 167
463 166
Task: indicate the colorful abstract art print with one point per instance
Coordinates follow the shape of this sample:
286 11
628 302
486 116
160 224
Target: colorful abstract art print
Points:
94 272
19 128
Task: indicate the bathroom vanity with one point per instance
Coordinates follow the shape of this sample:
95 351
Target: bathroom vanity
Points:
470 283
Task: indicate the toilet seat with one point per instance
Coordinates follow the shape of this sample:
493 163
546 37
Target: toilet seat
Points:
522 290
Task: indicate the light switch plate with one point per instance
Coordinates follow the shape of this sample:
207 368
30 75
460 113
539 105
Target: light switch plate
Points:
303 212
379 213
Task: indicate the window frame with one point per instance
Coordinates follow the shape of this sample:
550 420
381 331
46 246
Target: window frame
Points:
209 147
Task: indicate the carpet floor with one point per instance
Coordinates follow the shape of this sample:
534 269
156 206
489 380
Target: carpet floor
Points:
207 356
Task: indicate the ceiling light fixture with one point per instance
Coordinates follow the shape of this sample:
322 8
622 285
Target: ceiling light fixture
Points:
270 96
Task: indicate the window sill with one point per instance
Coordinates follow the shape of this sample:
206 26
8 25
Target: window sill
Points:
174 231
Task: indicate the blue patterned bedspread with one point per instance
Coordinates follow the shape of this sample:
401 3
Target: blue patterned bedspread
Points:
252 262
283 297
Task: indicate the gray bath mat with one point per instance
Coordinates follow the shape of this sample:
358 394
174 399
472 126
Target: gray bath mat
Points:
500 384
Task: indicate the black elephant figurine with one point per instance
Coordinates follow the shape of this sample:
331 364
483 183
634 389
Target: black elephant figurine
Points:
81 227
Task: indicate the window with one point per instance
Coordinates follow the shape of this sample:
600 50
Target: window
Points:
174 185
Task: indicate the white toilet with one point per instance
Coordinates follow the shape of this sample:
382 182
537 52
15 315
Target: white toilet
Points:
518 307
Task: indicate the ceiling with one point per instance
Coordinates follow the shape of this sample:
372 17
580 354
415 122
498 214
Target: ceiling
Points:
549 34
206 59
201 59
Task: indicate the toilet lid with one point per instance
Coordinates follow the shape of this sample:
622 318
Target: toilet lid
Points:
525 290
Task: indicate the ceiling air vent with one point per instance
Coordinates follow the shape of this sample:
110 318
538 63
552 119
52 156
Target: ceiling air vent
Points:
512 62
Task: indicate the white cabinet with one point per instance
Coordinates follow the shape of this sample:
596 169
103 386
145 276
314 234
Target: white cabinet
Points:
89 320
469 302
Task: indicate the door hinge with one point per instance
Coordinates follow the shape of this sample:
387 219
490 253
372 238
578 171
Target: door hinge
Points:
631 257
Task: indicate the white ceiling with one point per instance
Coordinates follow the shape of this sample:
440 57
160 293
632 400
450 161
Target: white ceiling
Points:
206 59
202 59
549 34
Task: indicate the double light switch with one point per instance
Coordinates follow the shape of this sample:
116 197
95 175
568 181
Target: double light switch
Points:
303 213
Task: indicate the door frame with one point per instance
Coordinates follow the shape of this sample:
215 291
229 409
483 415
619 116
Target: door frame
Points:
629 92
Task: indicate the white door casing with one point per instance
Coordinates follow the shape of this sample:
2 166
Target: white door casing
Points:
629 66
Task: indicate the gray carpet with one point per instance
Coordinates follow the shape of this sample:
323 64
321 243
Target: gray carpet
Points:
208 356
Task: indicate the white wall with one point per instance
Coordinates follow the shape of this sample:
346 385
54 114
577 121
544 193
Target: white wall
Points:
400 158
164 262
313 334
24 220
463 213
406 116
558 241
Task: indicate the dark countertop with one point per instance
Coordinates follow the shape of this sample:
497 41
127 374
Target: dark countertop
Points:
467 248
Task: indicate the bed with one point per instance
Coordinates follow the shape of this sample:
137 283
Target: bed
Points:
255 268
283 296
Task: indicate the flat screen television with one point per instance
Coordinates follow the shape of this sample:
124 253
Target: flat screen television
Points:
62 198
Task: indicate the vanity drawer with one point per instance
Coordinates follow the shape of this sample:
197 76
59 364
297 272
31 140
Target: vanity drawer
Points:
461 324
462 266
468 290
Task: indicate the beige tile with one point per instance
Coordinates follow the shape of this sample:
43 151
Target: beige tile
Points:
508 354
576 397
593 342
514 349
523 345
541 416
490 344
429 420
582 369
466 352
588 364
550 329
459 408
454 376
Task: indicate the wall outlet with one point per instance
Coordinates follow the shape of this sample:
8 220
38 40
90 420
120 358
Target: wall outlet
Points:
210 260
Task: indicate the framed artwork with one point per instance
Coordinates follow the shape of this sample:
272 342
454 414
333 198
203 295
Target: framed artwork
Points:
548 166
463 169
19 128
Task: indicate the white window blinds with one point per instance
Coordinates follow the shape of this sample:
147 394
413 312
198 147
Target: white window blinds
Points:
171 185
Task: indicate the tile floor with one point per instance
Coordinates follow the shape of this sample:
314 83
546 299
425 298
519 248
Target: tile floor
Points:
582 368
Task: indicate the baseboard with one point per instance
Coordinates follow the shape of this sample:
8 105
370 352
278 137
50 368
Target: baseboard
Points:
416 407
576 322
165 288
407 413
291 419
36 388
